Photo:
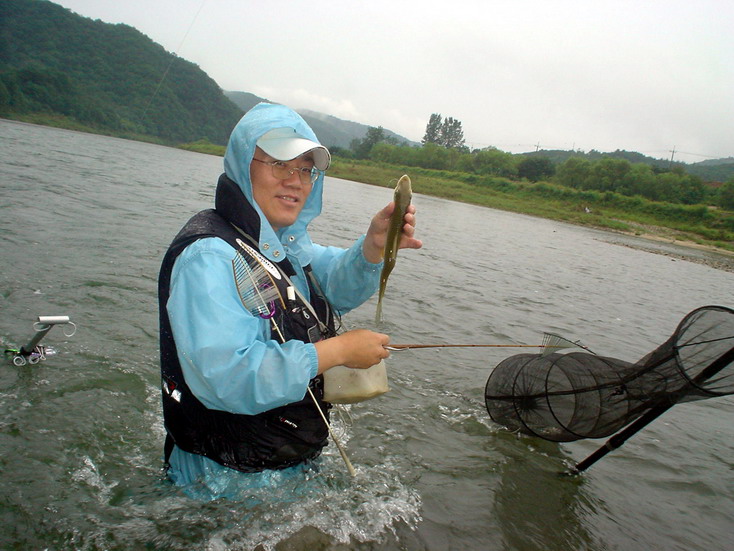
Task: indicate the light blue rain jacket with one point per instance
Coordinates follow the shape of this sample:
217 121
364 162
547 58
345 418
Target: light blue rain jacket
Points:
227 356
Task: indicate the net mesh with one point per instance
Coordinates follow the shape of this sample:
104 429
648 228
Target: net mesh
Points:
566 397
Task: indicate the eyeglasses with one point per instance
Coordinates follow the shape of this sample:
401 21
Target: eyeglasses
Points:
308 175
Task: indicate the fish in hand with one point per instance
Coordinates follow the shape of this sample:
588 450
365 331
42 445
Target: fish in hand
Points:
402 198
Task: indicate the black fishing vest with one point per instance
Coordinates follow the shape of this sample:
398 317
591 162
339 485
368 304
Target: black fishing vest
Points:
275 439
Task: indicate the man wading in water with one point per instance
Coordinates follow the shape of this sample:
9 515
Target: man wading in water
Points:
235 378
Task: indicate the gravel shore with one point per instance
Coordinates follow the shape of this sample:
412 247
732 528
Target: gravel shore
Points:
678 250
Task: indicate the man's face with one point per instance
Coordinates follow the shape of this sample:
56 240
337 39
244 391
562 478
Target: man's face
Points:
280 200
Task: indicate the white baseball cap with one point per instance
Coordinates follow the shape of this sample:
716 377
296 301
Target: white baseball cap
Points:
285 144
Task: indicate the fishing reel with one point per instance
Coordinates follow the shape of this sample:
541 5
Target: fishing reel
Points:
33 352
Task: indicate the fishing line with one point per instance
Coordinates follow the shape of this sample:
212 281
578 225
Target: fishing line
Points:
174 57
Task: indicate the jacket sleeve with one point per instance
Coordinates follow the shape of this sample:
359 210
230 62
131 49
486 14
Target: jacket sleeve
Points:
226 354
347 278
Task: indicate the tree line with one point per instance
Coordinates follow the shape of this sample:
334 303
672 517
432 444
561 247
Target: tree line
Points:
443 149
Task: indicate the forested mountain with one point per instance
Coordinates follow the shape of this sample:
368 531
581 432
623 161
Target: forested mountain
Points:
713 170
343 131
332 131
113 78
244 100
558 156
108 77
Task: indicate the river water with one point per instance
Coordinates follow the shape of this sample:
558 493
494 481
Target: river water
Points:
84 222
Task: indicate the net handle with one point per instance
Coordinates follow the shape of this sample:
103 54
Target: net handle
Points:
650 415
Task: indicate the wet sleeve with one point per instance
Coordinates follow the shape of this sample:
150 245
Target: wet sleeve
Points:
227 356
347 278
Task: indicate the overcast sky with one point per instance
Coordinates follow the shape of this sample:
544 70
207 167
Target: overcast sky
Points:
643 75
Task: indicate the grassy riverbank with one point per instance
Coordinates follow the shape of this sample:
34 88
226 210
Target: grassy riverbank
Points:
56 120
697 226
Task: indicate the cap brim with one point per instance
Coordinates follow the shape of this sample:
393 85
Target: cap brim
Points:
284 144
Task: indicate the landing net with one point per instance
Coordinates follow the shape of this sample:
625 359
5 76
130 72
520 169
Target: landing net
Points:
566 397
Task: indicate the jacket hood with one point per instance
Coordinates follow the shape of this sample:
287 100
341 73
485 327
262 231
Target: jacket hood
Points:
240 152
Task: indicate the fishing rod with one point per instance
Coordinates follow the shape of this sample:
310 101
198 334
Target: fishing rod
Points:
401 347
551 342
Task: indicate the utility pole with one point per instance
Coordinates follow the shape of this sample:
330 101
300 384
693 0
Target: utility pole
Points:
672 154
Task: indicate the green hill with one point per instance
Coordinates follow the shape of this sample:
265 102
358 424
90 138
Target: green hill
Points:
712 170
58 66
341 132
245 100
108 77
332 131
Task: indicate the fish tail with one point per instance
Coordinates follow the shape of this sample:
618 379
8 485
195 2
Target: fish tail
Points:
378 314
